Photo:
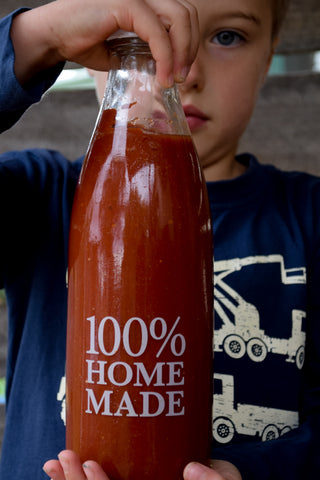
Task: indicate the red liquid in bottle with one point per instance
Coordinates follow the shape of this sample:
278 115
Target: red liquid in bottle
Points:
139 361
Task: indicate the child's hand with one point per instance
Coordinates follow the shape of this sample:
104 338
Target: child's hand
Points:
69 467
220 470
76 30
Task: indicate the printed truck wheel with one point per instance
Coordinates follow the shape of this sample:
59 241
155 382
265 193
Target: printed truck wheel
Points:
300 357
271 432
285 430
222 430
234 346
257 350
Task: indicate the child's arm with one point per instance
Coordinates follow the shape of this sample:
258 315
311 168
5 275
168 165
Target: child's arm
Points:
76 30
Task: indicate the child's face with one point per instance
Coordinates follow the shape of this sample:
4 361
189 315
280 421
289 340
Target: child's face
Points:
221 89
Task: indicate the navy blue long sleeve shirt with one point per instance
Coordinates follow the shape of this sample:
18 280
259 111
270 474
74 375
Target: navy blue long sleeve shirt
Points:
267 322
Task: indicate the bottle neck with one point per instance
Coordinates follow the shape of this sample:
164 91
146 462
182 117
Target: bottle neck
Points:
131 74
134 92
131 54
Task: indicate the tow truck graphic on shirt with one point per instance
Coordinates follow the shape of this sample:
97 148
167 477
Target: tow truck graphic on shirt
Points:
241 333
230 418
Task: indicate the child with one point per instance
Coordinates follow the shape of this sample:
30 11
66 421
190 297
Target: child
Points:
266 238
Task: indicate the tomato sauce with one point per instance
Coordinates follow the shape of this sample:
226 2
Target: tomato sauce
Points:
139 343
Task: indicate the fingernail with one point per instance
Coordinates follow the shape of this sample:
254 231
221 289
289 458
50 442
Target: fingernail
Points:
182 75
170 81
193 470
88 470
64 463
47 471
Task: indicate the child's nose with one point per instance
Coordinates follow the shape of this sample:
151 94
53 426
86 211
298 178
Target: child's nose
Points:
195 79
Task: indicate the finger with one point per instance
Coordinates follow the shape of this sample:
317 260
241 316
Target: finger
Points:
97 58
146 23
180 19
226 469
196 471
71 466
54 470
94 471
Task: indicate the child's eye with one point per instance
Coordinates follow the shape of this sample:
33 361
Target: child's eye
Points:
228 38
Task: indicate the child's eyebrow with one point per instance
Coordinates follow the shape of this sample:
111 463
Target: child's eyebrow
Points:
243 15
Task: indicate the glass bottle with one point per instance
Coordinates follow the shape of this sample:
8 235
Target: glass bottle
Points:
139 340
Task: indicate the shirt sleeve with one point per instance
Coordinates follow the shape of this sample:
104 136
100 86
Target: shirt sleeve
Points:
14 99
36 191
